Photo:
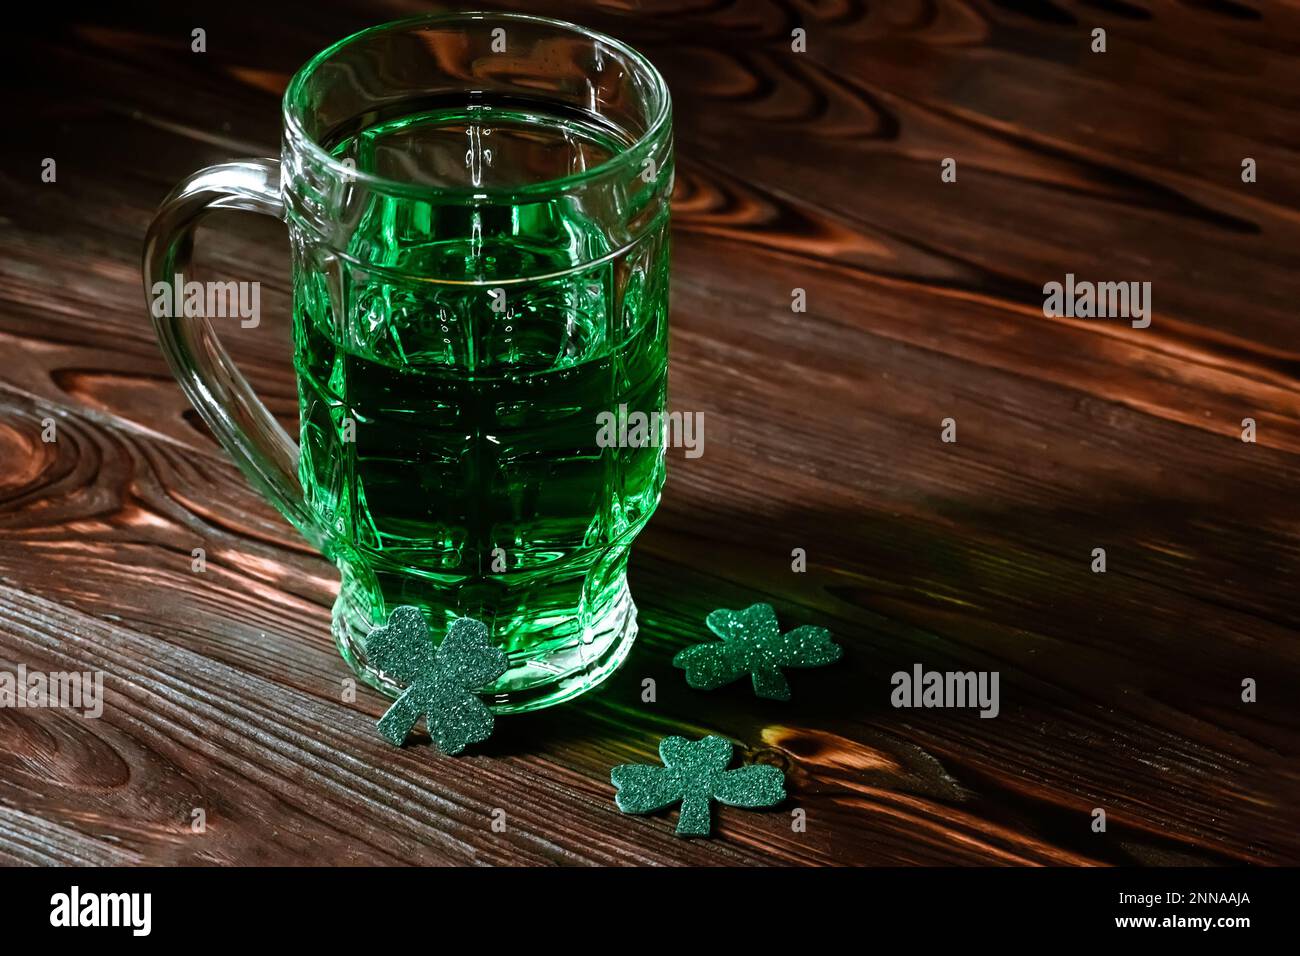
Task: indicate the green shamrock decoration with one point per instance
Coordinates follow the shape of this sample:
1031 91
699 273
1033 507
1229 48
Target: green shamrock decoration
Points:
695 772
752 643
441 682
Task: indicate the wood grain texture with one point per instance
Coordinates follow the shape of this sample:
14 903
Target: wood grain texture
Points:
818 171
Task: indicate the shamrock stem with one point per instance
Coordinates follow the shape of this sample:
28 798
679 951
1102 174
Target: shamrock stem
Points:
398 720
694 818
770 683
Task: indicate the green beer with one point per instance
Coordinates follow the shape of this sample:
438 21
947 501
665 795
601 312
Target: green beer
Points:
449 427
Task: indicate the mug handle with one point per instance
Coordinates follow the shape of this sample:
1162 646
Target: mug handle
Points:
266 455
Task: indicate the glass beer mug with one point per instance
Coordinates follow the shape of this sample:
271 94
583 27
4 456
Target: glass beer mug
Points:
477 207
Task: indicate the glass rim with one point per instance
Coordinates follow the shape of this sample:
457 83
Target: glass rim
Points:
298 137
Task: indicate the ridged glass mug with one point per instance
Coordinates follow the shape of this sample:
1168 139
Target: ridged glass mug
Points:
477 207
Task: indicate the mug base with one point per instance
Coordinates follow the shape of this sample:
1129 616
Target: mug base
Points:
528 684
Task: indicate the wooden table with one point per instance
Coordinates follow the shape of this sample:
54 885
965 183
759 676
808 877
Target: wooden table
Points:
818 170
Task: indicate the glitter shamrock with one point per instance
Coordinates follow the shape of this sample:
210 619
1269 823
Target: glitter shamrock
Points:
441 682
752 643
695 772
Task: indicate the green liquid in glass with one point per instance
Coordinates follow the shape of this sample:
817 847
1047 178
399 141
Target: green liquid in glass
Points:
449 434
